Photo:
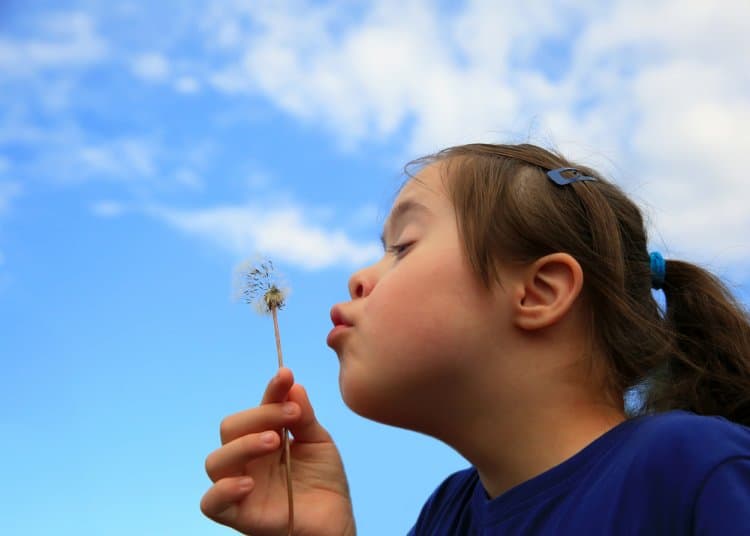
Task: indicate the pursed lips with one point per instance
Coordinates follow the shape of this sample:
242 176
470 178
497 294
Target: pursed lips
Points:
338 318
340 325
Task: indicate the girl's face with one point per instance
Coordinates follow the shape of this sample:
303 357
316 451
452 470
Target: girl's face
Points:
419 323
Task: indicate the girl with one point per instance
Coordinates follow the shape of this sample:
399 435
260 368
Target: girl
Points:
510 317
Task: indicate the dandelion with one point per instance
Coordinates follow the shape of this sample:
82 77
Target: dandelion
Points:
259 286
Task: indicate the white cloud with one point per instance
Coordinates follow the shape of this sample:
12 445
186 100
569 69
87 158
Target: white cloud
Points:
62 40
230 80
128 159
663 105
157 68
229 34
151 66
399 63
107 209
283 233
657 92
187 85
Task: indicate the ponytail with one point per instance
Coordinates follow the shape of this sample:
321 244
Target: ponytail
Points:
708 371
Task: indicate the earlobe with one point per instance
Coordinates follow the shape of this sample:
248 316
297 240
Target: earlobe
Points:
548 291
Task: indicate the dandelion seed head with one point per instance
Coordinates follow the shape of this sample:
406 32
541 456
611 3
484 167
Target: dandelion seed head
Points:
258 284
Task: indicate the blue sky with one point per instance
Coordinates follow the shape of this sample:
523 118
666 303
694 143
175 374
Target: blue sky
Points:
145 150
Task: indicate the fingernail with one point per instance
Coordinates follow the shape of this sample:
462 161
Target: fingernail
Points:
268 437
289 408
245 483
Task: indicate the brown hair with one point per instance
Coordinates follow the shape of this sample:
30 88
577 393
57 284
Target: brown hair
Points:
695 355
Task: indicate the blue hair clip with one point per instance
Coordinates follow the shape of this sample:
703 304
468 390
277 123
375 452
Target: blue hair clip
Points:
658 270
567 175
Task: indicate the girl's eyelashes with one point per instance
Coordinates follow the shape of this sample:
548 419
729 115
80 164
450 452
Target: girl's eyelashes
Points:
398 250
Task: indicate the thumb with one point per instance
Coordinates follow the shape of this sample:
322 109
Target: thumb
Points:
307 429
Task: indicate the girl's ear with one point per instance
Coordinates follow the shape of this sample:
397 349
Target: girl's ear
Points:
547 290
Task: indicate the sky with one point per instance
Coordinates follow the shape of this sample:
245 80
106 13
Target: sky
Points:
148 148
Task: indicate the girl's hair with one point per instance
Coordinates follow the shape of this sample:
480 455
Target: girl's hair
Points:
695 355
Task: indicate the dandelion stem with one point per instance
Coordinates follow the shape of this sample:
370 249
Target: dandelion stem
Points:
285 432
278 336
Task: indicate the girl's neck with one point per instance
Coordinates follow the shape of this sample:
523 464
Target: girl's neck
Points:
512 433
530 443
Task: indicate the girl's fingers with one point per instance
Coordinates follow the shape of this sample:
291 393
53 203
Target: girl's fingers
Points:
279 386
266 417
261 418
220 501
306 428
231 459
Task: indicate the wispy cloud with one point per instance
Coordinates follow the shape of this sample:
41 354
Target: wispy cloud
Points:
284 233
125 159
664 109
68 154
107 208
61 40
187 85
153 67
608 83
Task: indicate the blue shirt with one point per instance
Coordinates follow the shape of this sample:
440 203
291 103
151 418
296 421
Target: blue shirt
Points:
668 474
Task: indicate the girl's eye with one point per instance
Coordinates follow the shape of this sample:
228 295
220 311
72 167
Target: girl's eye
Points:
399 249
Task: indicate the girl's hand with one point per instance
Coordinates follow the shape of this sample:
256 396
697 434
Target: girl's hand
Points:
249 492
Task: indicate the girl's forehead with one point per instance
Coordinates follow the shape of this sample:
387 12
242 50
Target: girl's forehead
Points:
426 184
423 192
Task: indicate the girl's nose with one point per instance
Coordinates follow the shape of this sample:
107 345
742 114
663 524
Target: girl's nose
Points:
361 283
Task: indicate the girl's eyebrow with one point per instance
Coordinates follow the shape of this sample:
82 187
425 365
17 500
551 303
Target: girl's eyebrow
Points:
398 212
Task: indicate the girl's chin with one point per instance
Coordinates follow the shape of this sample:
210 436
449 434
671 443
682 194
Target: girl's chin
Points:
377 403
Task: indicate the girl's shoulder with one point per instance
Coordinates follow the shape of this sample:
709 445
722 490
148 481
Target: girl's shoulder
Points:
694 466
684 428
679 439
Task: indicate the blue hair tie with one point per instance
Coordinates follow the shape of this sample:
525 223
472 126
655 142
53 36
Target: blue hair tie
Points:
566 175
658 270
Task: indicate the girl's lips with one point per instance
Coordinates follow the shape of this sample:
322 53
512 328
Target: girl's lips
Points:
336 334
340 325
337 317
